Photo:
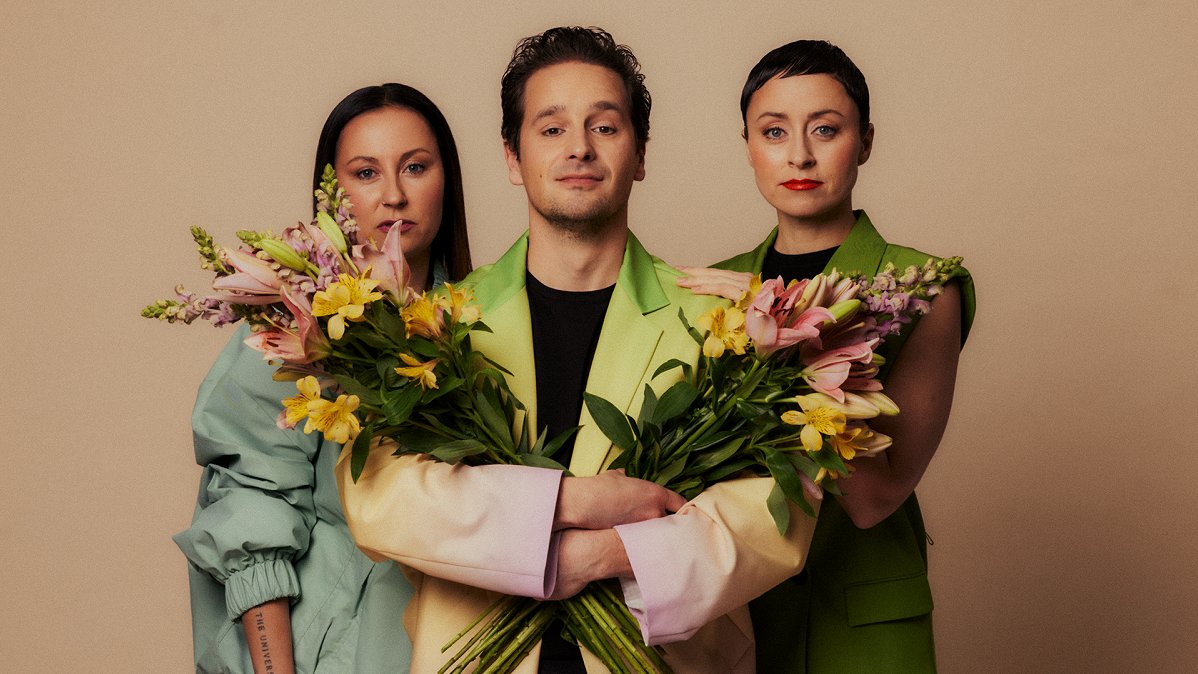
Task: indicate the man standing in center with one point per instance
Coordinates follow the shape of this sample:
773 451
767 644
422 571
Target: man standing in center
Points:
576 304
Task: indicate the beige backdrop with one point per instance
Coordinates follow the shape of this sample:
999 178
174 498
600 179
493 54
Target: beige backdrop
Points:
1051 144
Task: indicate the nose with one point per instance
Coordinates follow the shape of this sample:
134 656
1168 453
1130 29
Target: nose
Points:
394 195
579 145
800 153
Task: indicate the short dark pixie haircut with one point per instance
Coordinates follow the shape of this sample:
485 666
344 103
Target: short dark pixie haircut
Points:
565 45
808 57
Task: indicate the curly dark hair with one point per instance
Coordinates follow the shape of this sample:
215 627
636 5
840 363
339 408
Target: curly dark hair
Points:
563 45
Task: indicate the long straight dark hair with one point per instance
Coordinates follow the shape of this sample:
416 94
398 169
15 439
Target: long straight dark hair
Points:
451 246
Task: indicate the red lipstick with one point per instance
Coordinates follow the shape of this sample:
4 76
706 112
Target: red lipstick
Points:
801 185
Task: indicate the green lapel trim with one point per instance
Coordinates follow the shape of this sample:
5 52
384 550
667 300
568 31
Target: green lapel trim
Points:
500 291
629 338
862 250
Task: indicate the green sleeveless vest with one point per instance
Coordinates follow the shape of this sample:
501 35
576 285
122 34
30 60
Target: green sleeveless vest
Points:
863 603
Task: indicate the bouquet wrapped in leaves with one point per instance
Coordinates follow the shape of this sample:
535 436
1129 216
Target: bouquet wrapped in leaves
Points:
785 385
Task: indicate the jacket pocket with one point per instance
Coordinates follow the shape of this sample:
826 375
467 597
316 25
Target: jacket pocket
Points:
888 599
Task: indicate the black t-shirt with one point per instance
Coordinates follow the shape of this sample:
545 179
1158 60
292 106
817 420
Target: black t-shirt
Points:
795 267
565 332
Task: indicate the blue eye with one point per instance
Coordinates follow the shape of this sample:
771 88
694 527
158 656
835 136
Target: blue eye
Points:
415 168
366 173
825 130
773 133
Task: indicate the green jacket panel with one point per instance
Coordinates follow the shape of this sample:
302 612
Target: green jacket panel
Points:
864 602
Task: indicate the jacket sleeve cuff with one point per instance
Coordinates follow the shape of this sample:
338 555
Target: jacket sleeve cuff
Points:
258 584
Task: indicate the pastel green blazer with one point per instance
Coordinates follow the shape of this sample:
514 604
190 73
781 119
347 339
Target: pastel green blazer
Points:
864 603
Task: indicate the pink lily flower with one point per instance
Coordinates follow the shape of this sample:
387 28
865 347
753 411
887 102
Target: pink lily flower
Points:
254 282
390 268
770 321
829 370
306 345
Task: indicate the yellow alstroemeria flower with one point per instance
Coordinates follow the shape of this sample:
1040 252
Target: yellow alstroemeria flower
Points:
421 372
422 317
747 296
345 299
295 408
459 302
817 421
825 473
335 419
725 330
859 438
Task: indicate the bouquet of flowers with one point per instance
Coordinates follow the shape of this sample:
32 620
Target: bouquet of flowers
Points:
785 384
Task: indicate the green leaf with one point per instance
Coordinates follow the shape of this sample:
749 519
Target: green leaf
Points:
701 463
611 421
399 404
360 452
673 470
689 328
647 406
489 411
353 387
676 400
538 461
423 347
455 451
444 386
722 472
391 324
417 440
776 502
375 340
785 473
670 365
555 444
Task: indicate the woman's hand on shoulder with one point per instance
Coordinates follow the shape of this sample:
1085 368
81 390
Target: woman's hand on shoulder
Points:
720 282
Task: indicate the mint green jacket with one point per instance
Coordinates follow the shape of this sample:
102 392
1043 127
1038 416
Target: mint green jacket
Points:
268 524
864 603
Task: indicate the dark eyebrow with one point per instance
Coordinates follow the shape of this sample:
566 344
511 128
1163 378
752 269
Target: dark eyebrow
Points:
548 112
556 109
817 113
402 158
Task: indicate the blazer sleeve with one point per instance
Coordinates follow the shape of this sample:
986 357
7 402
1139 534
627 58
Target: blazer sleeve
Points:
489 526
717 553
255 511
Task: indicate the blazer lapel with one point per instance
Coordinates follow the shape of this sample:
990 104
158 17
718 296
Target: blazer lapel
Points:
500 291
862 250
624 353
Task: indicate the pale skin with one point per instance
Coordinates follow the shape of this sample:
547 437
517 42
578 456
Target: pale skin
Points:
806 126
577 160
389 163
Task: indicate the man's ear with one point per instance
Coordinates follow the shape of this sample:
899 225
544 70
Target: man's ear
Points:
867 145
640 164
513 165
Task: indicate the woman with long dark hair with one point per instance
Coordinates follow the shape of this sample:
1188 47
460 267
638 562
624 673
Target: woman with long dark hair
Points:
277 583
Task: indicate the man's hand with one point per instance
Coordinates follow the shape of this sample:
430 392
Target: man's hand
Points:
585 555
609 499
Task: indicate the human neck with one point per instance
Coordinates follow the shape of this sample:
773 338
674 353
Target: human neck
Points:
573 262
418 266
807 235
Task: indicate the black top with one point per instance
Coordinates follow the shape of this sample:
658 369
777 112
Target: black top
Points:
565 332
795 267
